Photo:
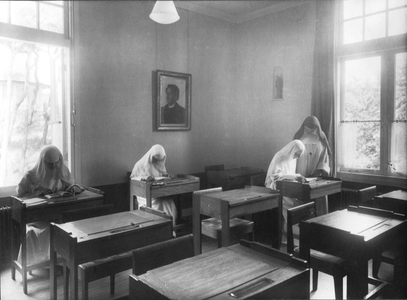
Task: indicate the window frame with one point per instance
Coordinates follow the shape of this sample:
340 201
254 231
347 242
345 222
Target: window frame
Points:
64 40
386 48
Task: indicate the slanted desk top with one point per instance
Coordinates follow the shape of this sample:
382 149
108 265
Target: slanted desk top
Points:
95 238
225 205
357 234
218 274
180 184
396 195
322 186
395 201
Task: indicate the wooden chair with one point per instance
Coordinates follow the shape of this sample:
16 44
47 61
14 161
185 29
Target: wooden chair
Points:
109 266
163 253
265 220
258 179
220 167
319 261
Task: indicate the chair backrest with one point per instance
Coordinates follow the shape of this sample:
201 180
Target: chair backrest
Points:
210 184
215 168
258 179
367 194
294 216
163 253
85 213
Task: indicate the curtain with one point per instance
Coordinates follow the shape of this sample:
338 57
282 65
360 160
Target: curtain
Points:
323 83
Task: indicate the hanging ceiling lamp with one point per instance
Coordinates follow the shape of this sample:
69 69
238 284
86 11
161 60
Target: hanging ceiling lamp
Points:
164 12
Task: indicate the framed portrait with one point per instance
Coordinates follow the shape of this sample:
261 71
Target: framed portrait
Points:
278 83
172 101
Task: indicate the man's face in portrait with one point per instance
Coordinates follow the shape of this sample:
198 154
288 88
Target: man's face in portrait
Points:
171 96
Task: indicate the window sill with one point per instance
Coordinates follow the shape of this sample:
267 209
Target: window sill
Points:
397 182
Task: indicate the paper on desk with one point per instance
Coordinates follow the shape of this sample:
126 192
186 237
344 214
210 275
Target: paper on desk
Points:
311 179
34 201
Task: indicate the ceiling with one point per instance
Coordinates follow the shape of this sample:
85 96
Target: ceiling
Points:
237 11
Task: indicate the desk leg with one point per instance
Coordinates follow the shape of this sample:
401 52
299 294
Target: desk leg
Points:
53 259
24 256
73 278
357 283
196 223
225 223
280 215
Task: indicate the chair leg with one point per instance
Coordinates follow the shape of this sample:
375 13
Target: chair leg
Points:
84 284
314 279
66 281
112 284
338 284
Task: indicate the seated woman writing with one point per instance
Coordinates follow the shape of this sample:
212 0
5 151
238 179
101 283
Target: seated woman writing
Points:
152 165
49 175
282 167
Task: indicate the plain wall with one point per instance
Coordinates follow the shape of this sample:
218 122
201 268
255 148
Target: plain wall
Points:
234 120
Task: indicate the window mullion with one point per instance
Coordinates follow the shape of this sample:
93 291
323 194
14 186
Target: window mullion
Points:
387 110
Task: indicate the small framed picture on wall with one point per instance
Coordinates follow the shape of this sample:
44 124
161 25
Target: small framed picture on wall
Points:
278 83
173 101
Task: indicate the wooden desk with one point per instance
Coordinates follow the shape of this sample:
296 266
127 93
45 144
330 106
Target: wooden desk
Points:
355 234
180 184
395 201
252 271
49 211
232 178
225 205
90 239
307 191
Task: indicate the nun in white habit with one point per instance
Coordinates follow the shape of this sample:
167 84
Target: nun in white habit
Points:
282 167
153 164
49 175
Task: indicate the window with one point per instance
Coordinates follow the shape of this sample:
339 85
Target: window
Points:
372 110
34 84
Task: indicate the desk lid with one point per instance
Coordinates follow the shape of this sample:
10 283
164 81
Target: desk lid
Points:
209 274
350 221
110 223
396 195
239 196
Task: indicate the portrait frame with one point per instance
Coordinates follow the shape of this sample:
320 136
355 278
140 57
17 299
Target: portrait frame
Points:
178 116
278 83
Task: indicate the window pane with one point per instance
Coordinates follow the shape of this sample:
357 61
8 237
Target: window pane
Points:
24 13
398 21
398 159
397 3
400 87
352 8
352 31
51 18
360 131
360 147
375 26
362 89
372 6
4 11
31 89
398 148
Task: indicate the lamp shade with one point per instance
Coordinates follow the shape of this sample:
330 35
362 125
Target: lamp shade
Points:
164 12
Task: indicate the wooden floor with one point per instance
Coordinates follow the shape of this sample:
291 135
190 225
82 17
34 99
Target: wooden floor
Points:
38 283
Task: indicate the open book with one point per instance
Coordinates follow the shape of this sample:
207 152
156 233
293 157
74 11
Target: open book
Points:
58 195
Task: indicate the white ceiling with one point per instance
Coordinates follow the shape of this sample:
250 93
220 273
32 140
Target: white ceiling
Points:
237 11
